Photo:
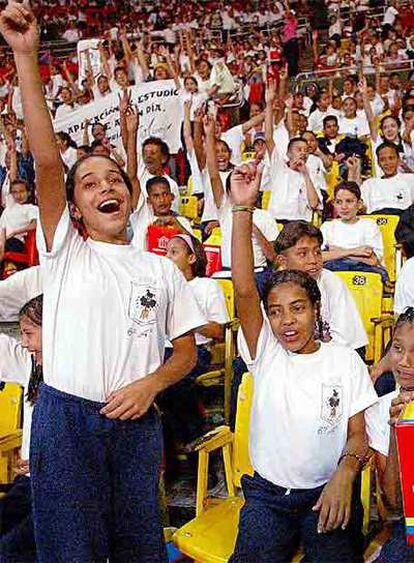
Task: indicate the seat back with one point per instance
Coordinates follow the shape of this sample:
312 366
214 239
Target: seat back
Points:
241 457
266 198
10 408
366 289
228 291
387 225
189 207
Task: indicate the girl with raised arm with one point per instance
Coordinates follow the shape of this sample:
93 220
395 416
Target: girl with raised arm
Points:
108 307
307 433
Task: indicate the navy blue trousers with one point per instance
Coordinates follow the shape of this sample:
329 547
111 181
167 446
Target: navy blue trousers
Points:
94 483
396 549
354 265
16 525
274 522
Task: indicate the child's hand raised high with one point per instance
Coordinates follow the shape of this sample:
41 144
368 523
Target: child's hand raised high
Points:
244 184
19 27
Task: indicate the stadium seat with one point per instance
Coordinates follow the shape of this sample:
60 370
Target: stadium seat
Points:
188 207
10 429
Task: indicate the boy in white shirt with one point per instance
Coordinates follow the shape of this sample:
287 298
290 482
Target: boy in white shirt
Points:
18 217
298 247
392 193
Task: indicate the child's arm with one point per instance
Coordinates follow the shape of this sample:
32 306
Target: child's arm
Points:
23 230
245 182
270 98
213 171
19 28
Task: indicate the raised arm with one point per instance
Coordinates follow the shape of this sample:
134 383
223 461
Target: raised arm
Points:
142 61
372 122
252 122
19 28
270 96
188 138
131 122
213 171
244 183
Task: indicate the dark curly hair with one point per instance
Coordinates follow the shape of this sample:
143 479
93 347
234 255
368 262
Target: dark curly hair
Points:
406 317
33 310
301 279
200 265
292 232
70 179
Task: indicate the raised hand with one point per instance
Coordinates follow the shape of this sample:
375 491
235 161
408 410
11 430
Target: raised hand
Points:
244 184
209 125
124 101
270 93
19 27
131 119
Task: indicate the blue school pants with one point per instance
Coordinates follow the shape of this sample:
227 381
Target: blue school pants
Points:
94 483
274 521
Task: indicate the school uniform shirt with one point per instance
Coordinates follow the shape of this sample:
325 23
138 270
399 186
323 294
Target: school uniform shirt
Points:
281 139
315 122
16 367
396 192
69 157
404 287
17 290
365 232
357 126
210 299
64 110
376 423
340 317
262 219
317 171
234 138
301 407
144 176
107 311
143 217
288 198
18 216
210 208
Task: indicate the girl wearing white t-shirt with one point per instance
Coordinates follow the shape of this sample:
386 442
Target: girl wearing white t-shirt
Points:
21 362
381 434
307 433
349 242
96 439
185 424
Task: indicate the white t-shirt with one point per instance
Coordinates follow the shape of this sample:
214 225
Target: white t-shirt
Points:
69 157
396 192
210 209
316 118
143 217
144 176
107 310
15 367
339 312
289 199
390 15
17 290
281 139
64 110
210 299
18 216
358 126
301 407
317 171
234 138
376 423
262 219
365 232
404 287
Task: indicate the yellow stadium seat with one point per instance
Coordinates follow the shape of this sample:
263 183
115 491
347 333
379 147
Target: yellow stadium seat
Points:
332 178
248 155
188 207
211 536
367 291
266 198
190 186
224 354
10 429
392 251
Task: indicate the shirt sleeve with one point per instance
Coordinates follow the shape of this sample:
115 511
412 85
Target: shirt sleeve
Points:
266 341
184 314
376 424
375 240
363 394
65 236
267 226
17 290
14 361
216 305
324 231
404 289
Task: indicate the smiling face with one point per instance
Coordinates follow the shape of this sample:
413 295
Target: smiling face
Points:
402 356
223 155
388 160
349 108
389 129
331 128
32 338
292 317
102 199
305 255
154 159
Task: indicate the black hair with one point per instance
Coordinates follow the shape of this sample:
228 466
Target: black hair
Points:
396 119
66 138
292 232
406 317
33 310
99 123
18 181
70 179
157 180
294 141
303 280
387 145
350 187
329 118
165 151
85 148
200 265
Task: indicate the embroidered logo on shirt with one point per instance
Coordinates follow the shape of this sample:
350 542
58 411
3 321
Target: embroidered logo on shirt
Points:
331 410
143 303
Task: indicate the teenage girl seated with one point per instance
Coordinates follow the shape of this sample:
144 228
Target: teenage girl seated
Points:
18 217
381 433
185 424
349 242
307 431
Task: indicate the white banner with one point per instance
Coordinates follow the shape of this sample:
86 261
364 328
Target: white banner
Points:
159 109
83 46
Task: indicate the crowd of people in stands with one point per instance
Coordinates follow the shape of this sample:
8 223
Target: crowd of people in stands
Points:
294 145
